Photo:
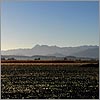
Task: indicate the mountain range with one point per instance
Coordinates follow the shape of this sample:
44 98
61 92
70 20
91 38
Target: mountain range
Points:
45 50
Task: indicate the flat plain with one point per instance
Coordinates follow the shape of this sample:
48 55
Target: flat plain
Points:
49 80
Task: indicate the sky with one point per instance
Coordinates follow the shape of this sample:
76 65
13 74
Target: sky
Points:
25 24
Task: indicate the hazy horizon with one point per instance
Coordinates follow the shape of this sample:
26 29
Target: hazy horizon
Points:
64 24
48 46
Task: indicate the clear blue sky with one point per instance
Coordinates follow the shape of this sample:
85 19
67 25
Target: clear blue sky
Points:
25 24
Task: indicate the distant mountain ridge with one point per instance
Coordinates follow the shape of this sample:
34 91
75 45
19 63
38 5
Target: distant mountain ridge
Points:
45 50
